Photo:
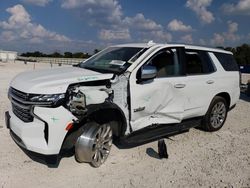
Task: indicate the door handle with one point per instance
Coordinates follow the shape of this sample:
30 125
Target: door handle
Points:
179 85
210 82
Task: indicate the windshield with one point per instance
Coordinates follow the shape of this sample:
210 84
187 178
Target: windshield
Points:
113 59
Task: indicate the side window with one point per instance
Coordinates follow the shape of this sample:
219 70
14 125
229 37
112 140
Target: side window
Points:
227 61
198 62
166 62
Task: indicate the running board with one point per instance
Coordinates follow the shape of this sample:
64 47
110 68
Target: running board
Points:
157 131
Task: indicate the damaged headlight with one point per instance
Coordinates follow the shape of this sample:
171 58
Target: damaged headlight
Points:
77 102
48 99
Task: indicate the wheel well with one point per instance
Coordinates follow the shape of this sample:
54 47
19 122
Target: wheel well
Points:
226 96
114 117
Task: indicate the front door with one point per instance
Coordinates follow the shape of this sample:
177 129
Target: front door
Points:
161 100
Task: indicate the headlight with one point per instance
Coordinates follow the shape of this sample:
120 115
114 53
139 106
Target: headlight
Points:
54 99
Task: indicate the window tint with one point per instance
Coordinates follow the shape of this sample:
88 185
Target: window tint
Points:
166 62
198 62
227 61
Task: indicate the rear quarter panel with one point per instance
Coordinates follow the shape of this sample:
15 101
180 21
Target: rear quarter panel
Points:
226 81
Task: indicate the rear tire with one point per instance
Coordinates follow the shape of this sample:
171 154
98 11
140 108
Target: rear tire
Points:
94 144
216 115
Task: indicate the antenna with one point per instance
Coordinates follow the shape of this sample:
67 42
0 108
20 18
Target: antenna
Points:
150 43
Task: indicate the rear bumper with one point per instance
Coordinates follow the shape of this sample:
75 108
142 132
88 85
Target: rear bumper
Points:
32 136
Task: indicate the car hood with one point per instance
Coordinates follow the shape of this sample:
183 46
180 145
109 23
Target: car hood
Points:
53 81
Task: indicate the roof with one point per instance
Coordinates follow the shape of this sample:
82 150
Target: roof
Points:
151 44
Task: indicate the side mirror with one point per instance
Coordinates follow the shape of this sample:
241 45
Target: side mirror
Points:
148 72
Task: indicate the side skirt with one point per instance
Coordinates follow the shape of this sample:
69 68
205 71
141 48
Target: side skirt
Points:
157 131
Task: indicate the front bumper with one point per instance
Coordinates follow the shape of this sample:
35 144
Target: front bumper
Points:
32 135
7 119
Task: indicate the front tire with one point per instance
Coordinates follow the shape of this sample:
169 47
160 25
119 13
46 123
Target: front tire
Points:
94 144
216 115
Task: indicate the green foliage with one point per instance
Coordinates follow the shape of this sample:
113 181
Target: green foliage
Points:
68 55
57 55
241 54
96 51
33 54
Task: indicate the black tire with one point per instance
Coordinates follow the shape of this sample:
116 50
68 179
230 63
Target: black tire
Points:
216 115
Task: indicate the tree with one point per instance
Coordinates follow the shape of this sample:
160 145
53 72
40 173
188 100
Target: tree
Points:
68 55
56 54
241 54
78 55
96 51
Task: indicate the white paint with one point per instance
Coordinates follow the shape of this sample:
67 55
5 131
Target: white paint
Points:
120 88
52 81
94 95
157 102
32 134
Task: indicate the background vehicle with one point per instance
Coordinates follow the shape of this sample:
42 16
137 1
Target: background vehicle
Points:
133 93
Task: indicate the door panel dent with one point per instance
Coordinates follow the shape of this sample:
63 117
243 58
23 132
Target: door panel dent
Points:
162 104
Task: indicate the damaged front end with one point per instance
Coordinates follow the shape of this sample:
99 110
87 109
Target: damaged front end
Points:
80 97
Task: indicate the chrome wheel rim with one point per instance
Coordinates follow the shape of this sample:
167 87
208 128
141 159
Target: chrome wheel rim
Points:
218 115
101 145
94 144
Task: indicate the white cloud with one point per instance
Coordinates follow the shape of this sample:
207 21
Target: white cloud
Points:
41 3
21 27
187 39
241 7
156 36
230 35
36 40
200 8
105 13
7 36
141 23
177 25
19 18
202 42
161 36
218 39
107 16
111 35
145 29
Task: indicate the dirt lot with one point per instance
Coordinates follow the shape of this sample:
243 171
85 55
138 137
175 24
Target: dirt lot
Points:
196 158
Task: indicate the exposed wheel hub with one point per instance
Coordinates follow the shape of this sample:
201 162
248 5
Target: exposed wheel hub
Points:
94 144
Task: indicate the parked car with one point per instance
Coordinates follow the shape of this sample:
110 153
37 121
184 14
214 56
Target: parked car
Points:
132 93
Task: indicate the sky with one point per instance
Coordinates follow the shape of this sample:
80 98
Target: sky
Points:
84 25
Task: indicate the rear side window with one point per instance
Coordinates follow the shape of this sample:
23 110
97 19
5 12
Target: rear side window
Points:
198 62
227 61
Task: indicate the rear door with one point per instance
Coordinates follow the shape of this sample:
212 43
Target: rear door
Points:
201 84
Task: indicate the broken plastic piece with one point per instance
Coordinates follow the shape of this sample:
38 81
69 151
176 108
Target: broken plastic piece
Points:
162 149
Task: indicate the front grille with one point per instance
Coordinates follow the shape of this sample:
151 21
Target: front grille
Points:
19 94
22 113
20 106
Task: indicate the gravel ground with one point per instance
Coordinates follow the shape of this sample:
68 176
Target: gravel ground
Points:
196 158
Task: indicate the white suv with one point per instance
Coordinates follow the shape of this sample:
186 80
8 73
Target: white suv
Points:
134 93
